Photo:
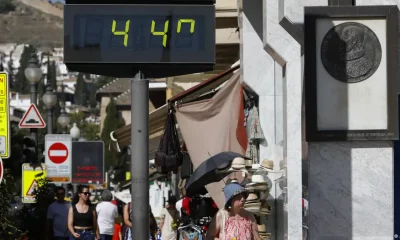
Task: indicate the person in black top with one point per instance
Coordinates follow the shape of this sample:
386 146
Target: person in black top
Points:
82 220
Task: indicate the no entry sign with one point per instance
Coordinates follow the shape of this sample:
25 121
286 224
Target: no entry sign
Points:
58 157
58 153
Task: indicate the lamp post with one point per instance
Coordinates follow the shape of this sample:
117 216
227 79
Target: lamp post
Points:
33 74
49 101
63 119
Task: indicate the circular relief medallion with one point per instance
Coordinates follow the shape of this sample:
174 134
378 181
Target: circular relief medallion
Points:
351 52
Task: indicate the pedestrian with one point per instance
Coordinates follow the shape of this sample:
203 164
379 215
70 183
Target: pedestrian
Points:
128 223
169 220
233 222
82 220
117 230
57 217
107 213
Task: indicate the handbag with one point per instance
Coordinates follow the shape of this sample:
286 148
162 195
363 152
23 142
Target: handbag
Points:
168 156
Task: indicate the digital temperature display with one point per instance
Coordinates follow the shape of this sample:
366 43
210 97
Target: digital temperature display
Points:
139 34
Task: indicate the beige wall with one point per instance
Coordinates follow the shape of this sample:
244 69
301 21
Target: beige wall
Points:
103 106
126 115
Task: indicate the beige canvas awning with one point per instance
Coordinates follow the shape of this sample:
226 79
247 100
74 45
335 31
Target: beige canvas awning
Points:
157 118
122 137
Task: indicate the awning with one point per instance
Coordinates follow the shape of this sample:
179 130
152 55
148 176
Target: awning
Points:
157 118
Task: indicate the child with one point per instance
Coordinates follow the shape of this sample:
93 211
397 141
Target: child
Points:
117 230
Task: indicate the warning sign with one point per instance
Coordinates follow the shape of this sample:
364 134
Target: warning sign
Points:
33 188
32 118
4 117
31 181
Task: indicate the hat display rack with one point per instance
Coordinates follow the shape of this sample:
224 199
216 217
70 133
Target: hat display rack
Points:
257 183
259 188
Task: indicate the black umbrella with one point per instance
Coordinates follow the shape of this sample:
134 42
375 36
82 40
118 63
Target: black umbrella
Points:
206 173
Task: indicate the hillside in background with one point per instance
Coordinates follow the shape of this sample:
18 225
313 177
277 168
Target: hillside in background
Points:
31 26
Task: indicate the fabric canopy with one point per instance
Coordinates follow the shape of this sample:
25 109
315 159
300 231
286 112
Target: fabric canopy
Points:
215 125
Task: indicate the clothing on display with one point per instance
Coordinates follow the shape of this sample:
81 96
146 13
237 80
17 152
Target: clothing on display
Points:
191 232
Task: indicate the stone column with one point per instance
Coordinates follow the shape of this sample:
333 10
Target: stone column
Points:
351 186
272 65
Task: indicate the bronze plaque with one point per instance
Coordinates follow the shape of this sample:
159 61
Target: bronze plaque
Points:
351 52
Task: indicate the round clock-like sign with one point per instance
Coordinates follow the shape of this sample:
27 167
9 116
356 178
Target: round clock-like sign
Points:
351 52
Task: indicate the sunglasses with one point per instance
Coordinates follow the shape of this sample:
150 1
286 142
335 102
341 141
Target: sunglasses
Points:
86 193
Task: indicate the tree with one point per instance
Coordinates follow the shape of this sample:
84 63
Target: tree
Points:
112 122
8 229
21 83
6 6
11 73
53 75
100 82
88 130
34 216
80 91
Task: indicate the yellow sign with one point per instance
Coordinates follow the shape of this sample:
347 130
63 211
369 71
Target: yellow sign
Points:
31 181
4 117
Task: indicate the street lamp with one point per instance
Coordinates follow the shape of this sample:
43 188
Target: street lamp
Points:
33 74
49 101
75 132
63 119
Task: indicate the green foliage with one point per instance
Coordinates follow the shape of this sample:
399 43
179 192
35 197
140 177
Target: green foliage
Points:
8 228
6 6
100 82
89 131
112 122
16 158
21 84
53 75
11 73
81 91
34 215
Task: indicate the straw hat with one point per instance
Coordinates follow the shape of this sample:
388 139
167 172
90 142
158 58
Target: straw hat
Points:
267 164
252 198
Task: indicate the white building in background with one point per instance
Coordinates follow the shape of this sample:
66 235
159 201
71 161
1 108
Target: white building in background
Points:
20 101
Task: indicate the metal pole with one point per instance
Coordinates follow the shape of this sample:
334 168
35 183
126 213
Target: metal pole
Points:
34 101
50 121
140 157
34 93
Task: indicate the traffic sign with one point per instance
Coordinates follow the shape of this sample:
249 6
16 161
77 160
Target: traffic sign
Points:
34 187
30 181
32 118
1 170
4 117
88 162
58 157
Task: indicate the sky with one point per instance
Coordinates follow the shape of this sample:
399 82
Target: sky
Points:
58 1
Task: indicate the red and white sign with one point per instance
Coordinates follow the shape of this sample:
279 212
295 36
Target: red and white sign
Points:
58 153
58 157
1 170
32 118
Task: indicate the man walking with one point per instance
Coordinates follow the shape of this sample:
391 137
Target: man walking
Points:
57 217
